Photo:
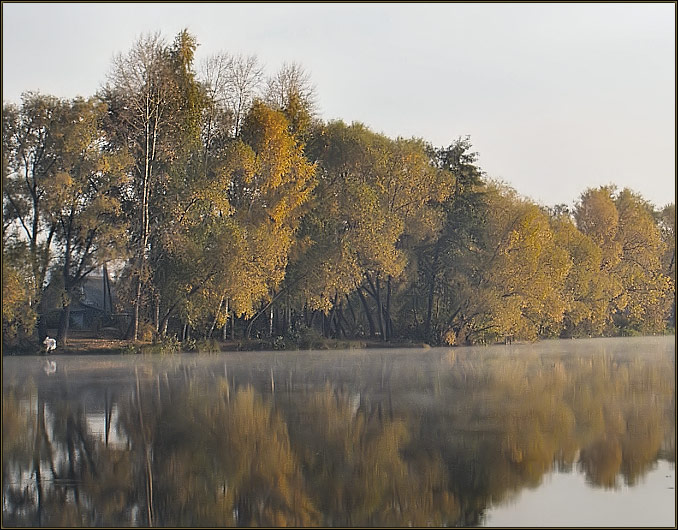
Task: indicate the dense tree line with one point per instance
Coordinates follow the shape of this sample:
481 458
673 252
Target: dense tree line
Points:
238 212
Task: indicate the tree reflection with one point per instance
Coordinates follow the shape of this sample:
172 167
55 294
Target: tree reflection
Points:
357 470
431 444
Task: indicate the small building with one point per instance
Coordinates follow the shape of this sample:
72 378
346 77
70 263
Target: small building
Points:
92 304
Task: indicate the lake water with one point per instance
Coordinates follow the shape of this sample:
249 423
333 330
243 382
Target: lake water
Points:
559 433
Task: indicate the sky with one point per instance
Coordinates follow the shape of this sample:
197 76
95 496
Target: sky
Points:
650 503
555 97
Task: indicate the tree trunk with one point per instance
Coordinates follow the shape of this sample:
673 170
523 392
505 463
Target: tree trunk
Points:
429 307
107 287
225 330
368 314
346 331
64 321
333 324
42 319
103 288
387 310
350 307
134 325
428 328
216 317
156 315
380 310
341 333
288 317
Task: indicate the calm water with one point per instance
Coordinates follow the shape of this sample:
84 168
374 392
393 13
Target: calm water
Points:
572 433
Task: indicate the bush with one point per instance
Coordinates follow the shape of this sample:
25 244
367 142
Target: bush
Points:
207 346
130 349
278 343
18 318
146 331
169 345
309 338
189 345
450 337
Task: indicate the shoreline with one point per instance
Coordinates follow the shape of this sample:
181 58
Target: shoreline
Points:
94 347
103 346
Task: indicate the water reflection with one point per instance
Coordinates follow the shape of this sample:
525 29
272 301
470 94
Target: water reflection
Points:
376 438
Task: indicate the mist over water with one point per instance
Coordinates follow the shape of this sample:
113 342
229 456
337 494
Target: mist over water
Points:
441 436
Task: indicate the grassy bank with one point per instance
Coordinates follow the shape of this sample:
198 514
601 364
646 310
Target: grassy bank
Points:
89 345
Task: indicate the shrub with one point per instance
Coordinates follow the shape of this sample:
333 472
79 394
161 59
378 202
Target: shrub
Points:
207 346
309 338
130 349
169 345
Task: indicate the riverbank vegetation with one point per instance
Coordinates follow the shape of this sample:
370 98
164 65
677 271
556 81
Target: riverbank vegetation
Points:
228 210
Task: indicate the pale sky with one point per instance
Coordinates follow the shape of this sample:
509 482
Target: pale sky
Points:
555 97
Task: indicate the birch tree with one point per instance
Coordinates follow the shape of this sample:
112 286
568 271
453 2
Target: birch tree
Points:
152 111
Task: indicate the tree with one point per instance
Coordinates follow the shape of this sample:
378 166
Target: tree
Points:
597 216
154 105
232 236
448 249
511 284
272 184
232 82
648 290
30 156
667 226
291 91
18 317
587 286
84 199
373 197
622 224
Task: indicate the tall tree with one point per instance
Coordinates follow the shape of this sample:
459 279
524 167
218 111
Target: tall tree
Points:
30 155
667 225
233 82
587 286
272 184
233 242
84 199
291 90
511 284
460 235
647 288
373 196
153 110
623 226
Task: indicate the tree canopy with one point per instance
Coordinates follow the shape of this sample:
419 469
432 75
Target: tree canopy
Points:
225 202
